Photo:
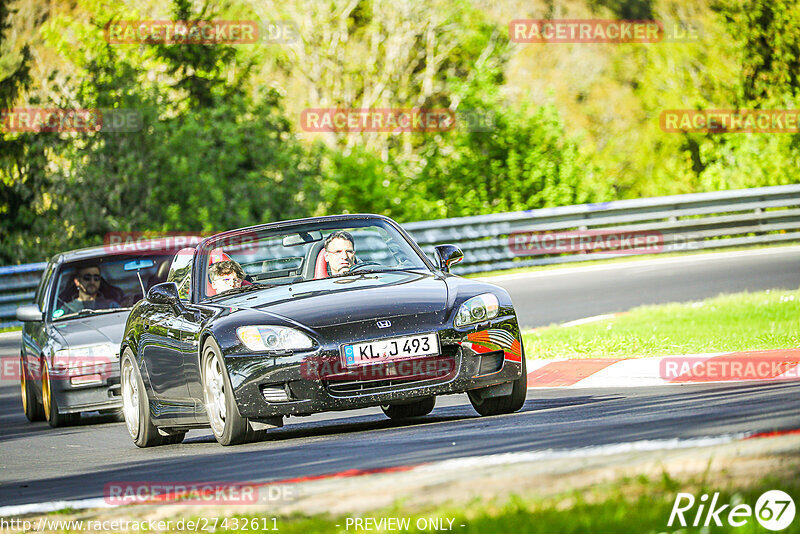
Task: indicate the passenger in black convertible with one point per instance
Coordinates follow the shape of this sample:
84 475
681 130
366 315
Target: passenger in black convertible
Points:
225 275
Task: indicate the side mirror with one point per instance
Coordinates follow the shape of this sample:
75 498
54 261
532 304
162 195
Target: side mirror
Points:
448 255
166 293
29 313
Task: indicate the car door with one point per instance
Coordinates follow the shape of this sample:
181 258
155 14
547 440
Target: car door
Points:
162 353
35 333
162 349
193 321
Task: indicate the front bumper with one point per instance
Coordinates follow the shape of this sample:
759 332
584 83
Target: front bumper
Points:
314 382
87 389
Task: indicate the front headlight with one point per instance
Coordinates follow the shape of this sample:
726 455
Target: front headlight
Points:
85 355
277 338
477 309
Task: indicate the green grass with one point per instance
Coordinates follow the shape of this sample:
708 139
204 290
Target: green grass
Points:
639 505
738 322
626 259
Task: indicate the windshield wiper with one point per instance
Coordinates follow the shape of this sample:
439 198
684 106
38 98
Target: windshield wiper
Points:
85 312
382 270
242 289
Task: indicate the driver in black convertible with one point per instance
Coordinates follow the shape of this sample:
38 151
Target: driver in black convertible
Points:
340 252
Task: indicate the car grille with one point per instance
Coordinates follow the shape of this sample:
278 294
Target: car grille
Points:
437 369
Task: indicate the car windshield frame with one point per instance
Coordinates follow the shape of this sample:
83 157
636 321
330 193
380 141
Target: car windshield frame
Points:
66 267
324 224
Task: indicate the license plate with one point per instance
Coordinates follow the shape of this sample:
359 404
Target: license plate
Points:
391 349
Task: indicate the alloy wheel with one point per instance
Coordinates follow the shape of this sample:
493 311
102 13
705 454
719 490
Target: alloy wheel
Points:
214 392
23 382
46 391
130 398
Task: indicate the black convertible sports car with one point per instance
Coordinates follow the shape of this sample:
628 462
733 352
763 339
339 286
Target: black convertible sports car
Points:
311 315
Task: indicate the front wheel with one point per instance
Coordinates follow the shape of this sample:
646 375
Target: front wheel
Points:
228 426
50 404
136 408
501 405
413 409
30 404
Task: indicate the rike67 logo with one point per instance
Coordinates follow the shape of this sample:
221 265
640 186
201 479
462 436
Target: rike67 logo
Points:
774 510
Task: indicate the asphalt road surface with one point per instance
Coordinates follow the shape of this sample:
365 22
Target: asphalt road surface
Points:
566 294
41 464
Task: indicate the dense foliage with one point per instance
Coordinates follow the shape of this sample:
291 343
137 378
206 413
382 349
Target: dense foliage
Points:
219 142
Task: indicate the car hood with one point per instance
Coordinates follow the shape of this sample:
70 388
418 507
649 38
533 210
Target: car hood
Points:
350 299
105 328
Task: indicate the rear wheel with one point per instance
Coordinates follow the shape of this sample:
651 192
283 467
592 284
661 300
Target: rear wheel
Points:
501 405
228 426
50 404
136 408
413 409
30 404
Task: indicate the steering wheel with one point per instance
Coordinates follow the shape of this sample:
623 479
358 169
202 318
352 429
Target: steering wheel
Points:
358 266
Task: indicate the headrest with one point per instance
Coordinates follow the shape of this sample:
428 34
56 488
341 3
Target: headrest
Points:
321 266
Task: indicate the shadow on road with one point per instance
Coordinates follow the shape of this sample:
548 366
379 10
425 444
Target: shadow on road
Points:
561 420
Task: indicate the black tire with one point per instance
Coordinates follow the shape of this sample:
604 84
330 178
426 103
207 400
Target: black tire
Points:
413 409
50 405
227 424
31 404
136 407
502 405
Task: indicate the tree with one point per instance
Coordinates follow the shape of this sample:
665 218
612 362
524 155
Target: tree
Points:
380 54
24 197
206 155
768 32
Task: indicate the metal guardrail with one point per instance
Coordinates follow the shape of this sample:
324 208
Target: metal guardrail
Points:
692 222
17 286
682 223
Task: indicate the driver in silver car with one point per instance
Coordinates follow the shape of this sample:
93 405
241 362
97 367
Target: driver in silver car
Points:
340 252
88 280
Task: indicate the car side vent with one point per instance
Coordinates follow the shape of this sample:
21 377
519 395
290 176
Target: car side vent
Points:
491 362
274 393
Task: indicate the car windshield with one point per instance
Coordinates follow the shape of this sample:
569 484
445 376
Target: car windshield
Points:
246 260
105 284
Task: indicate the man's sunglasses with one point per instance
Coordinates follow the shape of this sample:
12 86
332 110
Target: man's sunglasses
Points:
91 277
